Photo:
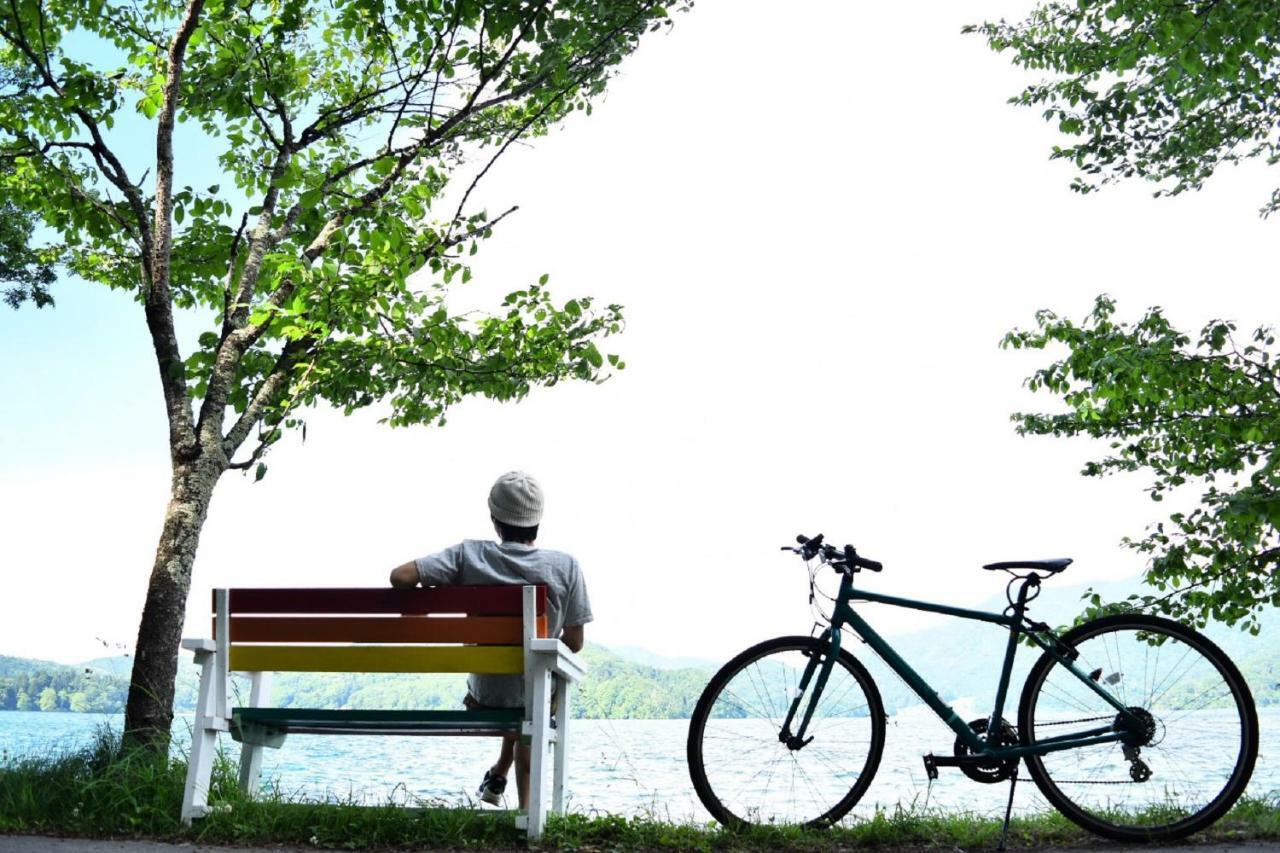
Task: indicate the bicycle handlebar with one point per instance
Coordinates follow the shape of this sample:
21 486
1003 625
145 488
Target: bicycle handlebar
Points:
811 547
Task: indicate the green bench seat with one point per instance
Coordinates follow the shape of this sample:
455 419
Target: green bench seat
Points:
263 726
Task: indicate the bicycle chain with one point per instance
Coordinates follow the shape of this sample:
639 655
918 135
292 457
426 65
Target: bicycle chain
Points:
1086 781
1081 720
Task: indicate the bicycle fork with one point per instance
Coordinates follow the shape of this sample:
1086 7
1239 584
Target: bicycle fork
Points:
822 656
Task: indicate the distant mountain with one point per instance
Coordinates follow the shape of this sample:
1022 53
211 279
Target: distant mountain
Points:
644 657
121 665
15 666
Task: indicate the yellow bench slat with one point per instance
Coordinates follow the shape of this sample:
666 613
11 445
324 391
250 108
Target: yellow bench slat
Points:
501 660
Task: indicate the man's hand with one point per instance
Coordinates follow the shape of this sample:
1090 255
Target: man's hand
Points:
572 636
405 576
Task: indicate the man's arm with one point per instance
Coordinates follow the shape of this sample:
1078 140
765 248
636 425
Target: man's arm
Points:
405 576
572 636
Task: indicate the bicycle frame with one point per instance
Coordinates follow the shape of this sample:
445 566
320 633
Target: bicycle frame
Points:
1014 619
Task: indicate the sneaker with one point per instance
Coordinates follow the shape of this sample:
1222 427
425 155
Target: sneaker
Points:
491 788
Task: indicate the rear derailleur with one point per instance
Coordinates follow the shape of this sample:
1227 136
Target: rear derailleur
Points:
1132 745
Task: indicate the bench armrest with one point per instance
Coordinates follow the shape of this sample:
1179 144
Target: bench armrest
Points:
557 657
199 645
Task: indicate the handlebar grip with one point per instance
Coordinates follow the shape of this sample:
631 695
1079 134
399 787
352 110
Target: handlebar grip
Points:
809 546
851 557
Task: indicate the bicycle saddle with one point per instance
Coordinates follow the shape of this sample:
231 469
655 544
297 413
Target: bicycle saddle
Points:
1050 566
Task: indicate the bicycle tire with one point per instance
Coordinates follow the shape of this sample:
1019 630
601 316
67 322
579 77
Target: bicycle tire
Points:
774 651
1158 819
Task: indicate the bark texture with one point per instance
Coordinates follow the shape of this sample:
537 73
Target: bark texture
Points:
149 709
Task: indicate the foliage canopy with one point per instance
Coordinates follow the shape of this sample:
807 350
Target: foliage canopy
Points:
24 274
337 128
1151 89
1190 413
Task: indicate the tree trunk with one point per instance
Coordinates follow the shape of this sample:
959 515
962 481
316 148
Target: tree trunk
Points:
148 713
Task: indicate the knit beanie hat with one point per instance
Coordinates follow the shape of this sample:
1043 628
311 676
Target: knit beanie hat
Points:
516 499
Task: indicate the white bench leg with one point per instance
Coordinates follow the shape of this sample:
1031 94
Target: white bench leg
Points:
204 742
251 754
537 818
563 691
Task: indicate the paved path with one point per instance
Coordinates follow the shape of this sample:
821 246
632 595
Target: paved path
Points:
41 844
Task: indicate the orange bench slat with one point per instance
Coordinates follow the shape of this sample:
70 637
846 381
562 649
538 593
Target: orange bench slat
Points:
487 630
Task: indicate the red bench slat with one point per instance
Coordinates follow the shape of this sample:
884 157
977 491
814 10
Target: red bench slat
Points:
472 600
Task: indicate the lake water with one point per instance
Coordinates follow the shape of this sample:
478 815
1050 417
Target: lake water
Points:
628 767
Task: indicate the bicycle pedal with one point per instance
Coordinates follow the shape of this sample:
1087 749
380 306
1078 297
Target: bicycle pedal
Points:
930 766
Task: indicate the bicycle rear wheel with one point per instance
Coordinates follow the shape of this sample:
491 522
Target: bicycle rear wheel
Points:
1194 757
741 770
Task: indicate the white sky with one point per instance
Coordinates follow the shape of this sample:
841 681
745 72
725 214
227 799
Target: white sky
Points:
821 223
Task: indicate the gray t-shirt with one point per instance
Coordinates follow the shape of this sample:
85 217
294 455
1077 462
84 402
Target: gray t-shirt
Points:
475 561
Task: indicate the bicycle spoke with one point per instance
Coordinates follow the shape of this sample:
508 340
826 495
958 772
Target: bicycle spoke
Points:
1219 691
743 704
762 694
817 795
848 690
1155 697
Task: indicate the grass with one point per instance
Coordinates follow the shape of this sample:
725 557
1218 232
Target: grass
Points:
102 792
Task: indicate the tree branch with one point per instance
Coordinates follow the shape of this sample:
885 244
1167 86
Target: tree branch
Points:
35 149
159 302
233 256
268 389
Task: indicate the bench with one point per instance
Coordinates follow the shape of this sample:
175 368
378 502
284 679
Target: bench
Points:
485 629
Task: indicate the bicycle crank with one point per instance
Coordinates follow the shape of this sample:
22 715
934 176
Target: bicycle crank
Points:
992 770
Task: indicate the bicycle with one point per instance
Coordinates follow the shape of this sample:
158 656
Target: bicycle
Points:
792 729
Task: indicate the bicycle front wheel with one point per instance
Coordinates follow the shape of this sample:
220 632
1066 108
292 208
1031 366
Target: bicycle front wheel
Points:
743 772
1187 766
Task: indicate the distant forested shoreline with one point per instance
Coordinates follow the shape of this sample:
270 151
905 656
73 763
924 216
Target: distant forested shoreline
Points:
615 688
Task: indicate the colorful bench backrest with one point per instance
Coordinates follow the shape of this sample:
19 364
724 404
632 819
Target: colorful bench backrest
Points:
434 629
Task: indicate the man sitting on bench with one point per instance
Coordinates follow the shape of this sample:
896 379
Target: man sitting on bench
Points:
515 506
